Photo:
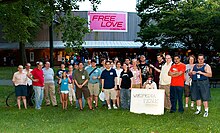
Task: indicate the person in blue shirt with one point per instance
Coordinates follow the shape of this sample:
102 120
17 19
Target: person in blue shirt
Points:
94 77
109 86
64 90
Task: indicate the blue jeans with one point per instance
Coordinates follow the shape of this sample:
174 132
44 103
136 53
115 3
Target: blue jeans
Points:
39 94
176 93
125 95
77 102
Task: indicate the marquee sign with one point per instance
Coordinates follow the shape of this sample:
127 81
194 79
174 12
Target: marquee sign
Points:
108 21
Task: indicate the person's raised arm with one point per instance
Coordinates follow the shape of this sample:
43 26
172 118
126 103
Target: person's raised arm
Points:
29 75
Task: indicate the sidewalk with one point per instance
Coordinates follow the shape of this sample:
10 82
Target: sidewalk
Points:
6 82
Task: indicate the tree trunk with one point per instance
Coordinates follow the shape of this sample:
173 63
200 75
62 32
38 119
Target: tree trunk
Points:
51 44
23 57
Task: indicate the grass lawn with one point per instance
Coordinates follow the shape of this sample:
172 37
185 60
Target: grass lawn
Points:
54 119
7 72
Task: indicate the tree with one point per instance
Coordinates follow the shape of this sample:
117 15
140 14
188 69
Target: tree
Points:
21 22
22 19
171 23
73 30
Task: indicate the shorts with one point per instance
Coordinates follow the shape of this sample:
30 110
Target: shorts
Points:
110 93
21 90
64 92
94 89
200 90
84 90
187 91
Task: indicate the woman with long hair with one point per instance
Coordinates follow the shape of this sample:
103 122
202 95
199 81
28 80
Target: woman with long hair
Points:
125 86
137 78
118 72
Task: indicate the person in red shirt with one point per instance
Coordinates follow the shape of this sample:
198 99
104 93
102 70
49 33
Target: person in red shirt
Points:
177 84
37 77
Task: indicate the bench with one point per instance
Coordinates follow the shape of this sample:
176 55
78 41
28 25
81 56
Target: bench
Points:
214 82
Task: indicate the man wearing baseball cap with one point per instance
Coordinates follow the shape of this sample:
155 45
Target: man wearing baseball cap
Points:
37 77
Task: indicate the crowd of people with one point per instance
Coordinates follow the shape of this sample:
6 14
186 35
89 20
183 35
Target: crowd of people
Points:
116 79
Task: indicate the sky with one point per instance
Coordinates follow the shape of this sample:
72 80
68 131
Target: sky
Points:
111 5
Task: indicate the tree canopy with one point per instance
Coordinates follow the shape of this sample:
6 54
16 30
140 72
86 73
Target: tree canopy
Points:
192 24
21 20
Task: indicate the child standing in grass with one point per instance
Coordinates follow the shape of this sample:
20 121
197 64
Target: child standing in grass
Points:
64 89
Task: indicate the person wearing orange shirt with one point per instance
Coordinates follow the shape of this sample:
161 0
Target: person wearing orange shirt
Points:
177 84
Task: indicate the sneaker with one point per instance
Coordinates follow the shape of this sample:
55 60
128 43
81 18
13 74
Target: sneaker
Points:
192 107
109 107
197 112
206 114
115 107
172 111
38 108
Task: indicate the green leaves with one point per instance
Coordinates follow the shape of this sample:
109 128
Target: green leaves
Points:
73 29
21 20
195 24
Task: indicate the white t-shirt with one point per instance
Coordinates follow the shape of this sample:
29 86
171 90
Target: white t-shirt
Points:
118 72
153 85
165 79
29 81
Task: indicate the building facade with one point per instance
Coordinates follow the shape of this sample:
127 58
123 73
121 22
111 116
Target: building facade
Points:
113 43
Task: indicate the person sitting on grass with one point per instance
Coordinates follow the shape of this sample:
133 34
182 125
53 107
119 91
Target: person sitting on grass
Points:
20 82
150 84
64 89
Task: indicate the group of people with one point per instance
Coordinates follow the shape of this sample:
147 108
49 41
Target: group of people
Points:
116 80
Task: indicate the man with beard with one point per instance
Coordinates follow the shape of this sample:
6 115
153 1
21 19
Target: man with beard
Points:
145 69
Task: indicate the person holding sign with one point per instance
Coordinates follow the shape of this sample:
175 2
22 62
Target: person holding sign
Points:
81 78
125 86
150 84
177 84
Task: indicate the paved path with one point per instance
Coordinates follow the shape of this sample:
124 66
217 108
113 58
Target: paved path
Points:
6 82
